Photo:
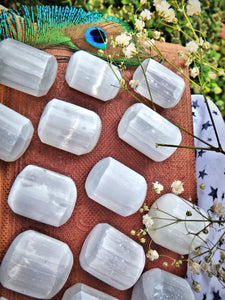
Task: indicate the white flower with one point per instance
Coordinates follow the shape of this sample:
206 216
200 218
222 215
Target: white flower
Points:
193 7
196 286
152 254
206 45
147 221
149 43
196 251
194 267
177 187
156 34
222 255
164 10
206 268
146 15
157 187
139 24
195 72
123 39
191 47
130 50
218 209
134 83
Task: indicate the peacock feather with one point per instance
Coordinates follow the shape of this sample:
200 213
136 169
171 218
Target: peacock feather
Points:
55 26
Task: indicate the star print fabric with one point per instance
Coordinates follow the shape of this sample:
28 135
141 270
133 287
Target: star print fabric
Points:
210 174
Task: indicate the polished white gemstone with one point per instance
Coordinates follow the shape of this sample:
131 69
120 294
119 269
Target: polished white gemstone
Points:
43 195
143 128
157 284
81 291
166 87
115 186
181 236
36 265
16 132
112 257
26 68
69 127
93 76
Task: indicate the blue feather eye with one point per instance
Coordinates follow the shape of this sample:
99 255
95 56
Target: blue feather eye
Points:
96 37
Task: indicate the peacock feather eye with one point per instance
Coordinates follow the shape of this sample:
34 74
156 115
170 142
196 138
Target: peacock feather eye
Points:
96 37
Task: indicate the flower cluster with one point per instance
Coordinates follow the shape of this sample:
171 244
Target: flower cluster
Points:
165 11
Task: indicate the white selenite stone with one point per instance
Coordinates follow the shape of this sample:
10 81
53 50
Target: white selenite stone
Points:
16 132
166 87
157 284
179 237
43 195
143 128
115 186
69 127
36 265
93 76
81 291
26 68
112 257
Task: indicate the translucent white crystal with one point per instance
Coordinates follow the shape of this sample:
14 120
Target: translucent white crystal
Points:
157 284
166 87
143 128
43 195
16 132
112 257
36 265
93 76
179 237
26 68
81 291
69 127
115 186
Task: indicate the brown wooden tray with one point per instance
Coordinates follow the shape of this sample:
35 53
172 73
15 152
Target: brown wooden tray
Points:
87 213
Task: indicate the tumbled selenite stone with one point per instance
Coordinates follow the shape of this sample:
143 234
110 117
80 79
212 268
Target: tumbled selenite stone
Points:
112 257
16 132
69 127
43 195
143 128
157 284
115 186
93 76
179 237
36 265
166 87
26 68
81 291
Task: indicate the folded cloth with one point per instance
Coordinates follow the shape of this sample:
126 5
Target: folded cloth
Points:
210 174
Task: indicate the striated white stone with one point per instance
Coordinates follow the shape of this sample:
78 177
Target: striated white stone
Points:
166 87
16 132
112 257
43 195
81 291
26 68
93 76
179 237
115 186
157 284
143 128
69 127
36 265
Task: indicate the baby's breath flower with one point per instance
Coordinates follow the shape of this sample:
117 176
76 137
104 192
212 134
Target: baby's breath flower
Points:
193 7
165 264
149 43
133 232
195 72
130 50
146 15
218 209
188 60
123 39
157 187
156 34
177 187
206 45
206 268
134 83
197 251
222 255
196 286
180 53
139 24
152 254
191 47
142 240
162 39
147 221
212 75
142 2
194 267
